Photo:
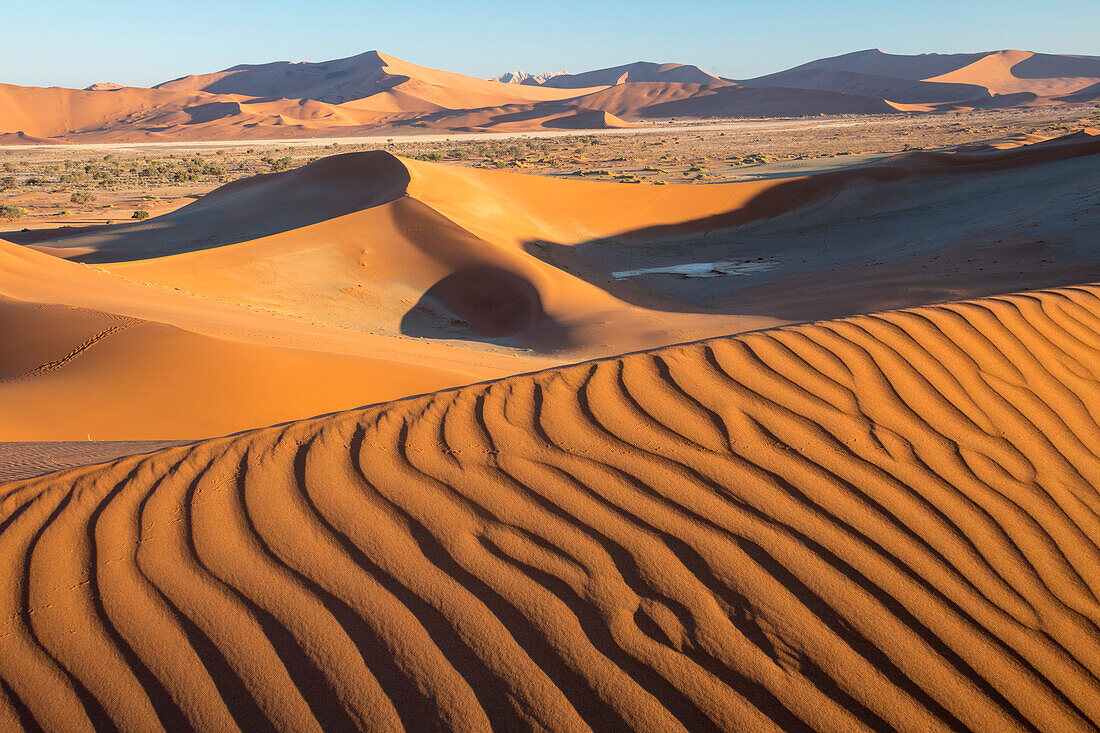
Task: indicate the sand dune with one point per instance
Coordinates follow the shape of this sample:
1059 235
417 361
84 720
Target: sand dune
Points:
642 71
883 522
928 82
1011 72
357 77
377 92
365 277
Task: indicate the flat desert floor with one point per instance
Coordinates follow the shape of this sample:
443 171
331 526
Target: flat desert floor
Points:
721 428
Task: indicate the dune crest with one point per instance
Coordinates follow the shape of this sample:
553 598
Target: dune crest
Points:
886 521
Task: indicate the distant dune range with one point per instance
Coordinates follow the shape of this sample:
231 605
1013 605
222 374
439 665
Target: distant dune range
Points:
881 522
364 277
377 92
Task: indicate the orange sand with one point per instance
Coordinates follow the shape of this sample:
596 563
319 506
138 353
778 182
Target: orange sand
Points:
375 91
882 522
365 278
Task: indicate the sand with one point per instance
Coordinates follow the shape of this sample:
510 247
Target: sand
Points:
928 82
881 522
26 459
366 277
376 92
464 449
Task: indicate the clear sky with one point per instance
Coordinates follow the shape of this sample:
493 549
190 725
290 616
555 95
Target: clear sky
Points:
74 43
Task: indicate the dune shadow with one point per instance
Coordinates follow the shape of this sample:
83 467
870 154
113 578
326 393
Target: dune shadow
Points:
488 304
894 233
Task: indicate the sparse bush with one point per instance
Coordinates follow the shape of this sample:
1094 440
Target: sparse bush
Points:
213 169
11 213
82 198
140 215
278 164
7 182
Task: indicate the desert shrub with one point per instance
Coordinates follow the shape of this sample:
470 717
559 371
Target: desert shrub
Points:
213 169
7 182
82 198
140 215
33 181
11 213
277 164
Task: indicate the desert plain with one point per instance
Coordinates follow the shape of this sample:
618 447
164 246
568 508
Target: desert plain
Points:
636 399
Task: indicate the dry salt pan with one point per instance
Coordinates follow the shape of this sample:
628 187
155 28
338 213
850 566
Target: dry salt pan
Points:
702 269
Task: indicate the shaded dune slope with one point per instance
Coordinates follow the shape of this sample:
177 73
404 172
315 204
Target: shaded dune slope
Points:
887 521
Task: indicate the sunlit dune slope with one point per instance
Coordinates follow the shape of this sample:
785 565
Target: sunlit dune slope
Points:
90 354
883 522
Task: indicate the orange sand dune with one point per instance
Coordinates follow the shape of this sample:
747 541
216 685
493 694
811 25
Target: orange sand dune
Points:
927 82
1011 72
94 355
37 115
883 522
377 92
642 71
366 277
358 77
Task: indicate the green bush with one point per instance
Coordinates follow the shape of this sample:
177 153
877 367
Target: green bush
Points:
82 198
7 182
11 213
140 215
277 164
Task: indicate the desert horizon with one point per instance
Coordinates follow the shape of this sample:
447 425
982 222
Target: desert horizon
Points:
367 395
374 91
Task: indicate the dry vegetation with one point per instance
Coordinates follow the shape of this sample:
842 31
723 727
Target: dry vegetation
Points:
48 187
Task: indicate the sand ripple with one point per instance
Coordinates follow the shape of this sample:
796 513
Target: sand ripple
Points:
887 521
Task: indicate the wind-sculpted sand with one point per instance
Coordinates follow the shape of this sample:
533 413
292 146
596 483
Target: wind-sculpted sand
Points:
883 522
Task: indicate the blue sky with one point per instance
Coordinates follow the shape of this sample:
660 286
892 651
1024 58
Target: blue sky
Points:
67 43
